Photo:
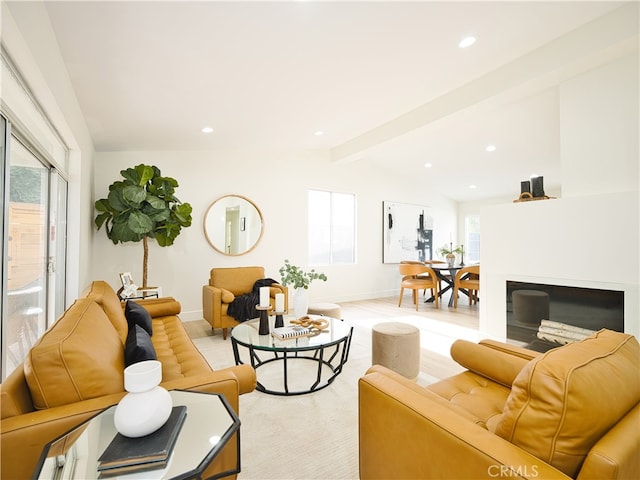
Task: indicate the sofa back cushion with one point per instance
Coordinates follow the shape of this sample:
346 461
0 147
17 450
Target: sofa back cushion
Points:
105 296
562 402
78 358
238 280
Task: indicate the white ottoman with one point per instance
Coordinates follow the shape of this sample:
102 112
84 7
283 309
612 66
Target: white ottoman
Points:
396 346
326 309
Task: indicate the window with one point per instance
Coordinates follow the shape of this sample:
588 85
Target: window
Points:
332 232
472 238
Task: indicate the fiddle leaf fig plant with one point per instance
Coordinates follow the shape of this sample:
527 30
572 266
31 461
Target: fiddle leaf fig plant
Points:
143 206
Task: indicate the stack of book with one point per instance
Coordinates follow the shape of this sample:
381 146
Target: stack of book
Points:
151 452
290 331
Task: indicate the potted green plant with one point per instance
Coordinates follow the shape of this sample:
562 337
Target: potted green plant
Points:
449 253
143 206
294 276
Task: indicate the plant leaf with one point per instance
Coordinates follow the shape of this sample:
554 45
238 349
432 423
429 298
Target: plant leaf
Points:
100 219
139 223
145 173
133 195
116 201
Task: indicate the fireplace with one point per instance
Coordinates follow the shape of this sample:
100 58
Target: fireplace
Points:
541 316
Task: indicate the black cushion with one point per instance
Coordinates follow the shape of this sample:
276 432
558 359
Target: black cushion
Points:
138 346
137 315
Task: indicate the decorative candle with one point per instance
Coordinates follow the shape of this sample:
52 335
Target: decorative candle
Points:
264 296
279 302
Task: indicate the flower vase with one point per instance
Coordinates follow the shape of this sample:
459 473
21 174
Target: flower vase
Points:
451 259
147 406
300 302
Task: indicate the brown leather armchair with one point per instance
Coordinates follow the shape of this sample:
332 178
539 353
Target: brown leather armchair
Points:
225 284
572 412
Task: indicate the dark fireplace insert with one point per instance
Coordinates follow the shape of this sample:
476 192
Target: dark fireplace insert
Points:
546 316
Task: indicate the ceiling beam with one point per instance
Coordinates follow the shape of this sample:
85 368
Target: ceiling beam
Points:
607 37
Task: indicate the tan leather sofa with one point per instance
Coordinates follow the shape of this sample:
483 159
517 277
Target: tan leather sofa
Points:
572 412
76 369
225 284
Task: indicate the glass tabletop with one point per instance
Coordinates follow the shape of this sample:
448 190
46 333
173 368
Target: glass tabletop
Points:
246 334
209 425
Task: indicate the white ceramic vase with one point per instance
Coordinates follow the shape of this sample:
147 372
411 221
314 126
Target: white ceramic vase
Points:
451 259
147 406
300 302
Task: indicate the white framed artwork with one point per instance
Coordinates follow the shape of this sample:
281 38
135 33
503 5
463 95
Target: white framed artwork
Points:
407 231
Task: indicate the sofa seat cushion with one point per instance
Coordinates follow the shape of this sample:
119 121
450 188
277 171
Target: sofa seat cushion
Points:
562 402
481 398
78 358
175 350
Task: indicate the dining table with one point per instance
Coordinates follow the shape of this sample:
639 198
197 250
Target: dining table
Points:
441 270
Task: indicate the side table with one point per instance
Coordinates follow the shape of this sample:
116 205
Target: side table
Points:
210 424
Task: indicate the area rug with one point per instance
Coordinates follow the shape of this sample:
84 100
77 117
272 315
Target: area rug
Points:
315 436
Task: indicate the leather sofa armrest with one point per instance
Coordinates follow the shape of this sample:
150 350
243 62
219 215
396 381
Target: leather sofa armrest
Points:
513 350
24 436
404 433
242 376
161 307
495 361
211 301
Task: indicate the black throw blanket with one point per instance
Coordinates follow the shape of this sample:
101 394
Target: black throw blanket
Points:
243 307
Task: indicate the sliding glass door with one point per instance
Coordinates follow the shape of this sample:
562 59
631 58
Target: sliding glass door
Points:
34 242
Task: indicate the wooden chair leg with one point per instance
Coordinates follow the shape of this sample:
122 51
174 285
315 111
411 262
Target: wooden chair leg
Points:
224 333
415 298
401 293
455 296
436 296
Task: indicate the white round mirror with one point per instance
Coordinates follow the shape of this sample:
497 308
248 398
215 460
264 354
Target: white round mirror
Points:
233 225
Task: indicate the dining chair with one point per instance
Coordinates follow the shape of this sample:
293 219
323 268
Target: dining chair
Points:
417 262
417 276
471 283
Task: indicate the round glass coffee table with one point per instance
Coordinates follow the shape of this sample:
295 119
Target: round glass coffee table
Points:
294 366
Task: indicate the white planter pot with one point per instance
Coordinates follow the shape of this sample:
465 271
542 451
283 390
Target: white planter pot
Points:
300 302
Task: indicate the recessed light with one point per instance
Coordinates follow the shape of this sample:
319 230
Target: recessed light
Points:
490 148
207 130
428 165
472 187
317 133
467 42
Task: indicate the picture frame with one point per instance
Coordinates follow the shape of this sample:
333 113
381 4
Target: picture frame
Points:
407 232
126 279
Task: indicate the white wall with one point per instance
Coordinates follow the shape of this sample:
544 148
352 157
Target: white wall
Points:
277 182
590 237
599 126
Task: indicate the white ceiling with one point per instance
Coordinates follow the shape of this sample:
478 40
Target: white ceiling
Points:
384 81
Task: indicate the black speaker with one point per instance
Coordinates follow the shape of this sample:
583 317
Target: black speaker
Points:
525 187
537 188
